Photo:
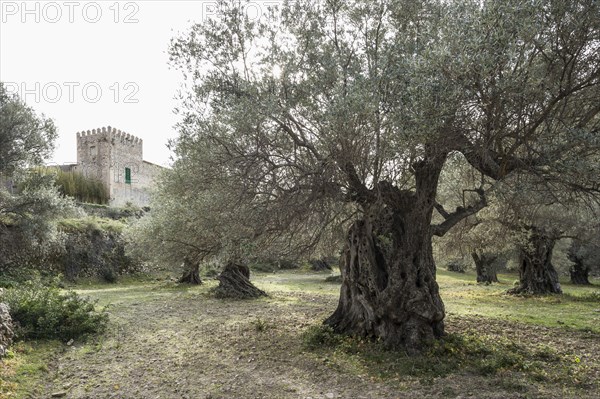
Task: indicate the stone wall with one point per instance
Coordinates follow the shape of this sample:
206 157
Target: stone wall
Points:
137 191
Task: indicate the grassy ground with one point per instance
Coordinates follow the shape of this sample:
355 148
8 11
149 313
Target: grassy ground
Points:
172 341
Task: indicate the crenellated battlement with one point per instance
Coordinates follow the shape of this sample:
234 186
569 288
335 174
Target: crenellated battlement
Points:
109 133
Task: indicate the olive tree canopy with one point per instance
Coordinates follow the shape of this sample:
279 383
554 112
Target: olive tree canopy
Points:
26 139
27 231
336 108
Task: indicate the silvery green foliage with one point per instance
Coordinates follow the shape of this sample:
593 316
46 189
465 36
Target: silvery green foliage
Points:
515 206
28 222
363 90
29 201
185 222
26 139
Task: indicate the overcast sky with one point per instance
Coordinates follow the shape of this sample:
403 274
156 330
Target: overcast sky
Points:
89 64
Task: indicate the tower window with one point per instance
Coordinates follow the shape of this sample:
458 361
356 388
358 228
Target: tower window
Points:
127 176
93 151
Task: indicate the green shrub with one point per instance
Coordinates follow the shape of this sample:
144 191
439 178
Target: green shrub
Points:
321 336
13 277
263 266
108 274
43 311
267 265
457 266
95 247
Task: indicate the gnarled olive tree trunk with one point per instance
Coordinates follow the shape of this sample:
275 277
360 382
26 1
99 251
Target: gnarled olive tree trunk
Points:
388 288
191 272
234 282
388 284
484 266
537 275
579 271
579 274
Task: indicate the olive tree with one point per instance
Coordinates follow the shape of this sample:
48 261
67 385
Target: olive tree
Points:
27 232
190 223
584 252
525 218
337 108
479 236
26 139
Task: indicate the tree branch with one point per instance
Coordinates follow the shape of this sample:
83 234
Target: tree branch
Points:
440 208
358 191
451 219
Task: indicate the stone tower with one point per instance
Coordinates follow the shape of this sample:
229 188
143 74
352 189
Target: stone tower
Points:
116 159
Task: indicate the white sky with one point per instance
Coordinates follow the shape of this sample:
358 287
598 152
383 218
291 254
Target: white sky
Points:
51 50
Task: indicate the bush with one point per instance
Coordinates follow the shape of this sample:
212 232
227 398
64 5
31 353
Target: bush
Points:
456 266
321 336
95 247
43 311
80 187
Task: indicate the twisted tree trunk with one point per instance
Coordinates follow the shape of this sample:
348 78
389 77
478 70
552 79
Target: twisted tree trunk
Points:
486 272
388 287
579 274
537 275
579 271
191 272
234 282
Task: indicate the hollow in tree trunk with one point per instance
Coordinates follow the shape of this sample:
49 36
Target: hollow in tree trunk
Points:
234 282
191 272
579 271
537 275
388 288
484 266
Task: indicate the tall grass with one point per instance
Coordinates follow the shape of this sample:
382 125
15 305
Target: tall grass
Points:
78 186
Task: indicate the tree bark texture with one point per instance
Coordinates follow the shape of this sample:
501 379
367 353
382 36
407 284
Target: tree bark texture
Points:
579 274
537 275
234 282
388 287
579 271
484 266
191 272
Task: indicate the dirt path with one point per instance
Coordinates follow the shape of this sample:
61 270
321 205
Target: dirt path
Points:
173 343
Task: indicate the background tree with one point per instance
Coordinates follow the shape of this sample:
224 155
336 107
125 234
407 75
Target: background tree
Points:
27 229
372 99
584 252
26 139
524 213
191 223
478 237
536 219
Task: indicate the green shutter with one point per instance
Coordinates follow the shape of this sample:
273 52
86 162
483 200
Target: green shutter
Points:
127 176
